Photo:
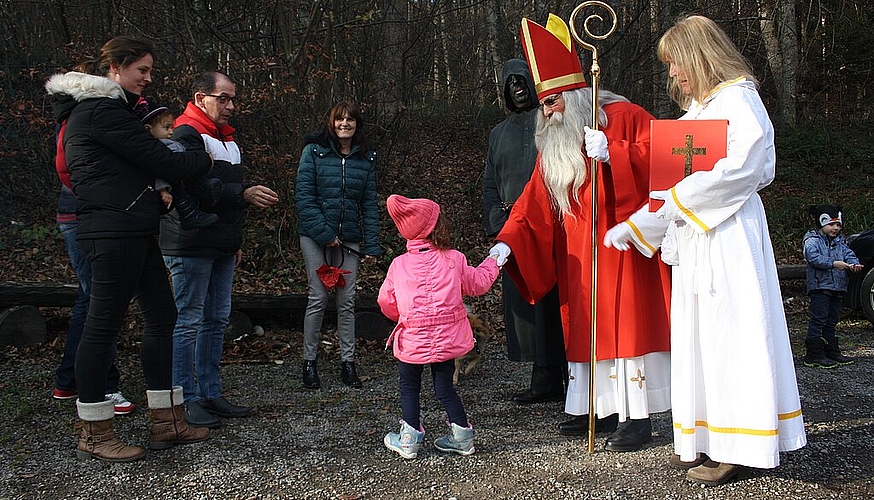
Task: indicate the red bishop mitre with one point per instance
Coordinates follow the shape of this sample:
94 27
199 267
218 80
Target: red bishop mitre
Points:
554 64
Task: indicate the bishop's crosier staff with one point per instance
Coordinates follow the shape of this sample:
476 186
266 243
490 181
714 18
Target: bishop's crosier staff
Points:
596 75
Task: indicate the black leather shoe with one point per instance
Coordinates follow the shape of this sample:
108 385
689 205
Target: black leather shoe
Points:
311 374
631 435
579 426
196 416
348 375
531 396
223 408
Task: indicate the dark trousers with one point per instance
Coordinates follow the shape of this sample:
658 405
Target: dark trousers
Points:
410 380
123 269
64 375
825 311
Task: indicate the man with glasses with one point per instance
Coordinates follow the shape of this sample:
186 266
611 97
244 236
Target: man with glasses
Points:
202 261
533 331
549 231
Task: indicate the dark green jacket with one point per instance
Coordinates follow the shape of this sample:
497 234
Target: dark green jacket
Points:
335 195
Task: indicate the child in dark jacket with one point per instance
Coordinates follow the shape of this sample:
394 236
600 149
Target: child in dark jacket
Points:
158 120
423 292
829 258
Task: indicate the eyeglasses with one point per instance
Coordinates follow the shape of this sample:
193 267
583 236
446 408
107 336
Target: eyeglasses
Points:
224 99
550 101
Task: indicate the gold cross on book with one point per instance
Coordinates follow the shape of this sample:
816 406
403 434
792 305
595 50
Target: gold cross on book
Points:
688 152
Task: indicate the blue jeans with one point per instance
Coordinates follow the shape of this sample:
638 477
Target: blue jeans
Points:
64 376
410 381
202 289
825 311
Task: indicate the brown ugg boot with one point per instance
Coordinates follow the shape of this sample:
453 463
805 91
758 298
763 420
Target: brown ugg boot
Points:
97 439
168 424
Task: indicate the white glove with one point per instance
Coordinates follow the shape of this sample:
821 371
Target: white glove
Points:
501 251
619 237
669 210
596 145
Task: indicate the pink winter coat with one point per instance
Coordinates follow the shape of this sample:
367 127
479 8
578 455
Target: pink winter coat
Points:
423 292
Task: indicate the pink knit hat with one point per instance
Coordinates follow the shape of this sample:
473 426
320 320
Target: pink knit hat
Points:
415 218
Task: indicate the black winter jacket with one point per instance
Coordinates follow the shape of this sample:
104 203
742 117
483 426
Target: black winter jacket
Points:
194 129
112 159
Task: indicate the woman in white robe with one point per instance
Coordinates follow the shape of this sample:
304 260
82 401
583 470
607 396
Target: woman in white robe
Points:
734 394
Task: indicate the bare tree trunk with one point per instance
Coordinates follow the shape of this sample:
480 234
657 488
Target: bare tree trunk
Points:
781 45
390 80
789 41
496 60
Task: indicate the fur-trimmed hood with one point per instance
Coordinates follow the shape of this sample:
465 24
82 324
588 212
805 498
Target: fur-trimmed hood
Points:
81 86
69 89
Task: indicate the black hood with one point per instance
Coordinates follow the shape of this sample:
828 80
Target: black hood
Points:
518 67
63 105
321 137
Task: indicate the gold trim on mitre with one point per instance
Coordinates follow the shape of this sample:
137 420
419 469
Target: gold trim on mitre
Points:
561 81
554 64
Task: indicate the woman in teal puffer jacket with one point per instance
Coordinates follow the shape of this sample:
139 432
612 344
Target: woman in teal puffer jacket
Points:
338 220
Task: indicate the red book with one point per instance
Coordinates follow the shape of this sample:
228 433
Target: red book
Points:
680 147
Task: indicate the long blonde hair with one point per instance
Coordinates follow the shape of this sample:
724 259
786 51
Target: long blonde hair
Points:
706 55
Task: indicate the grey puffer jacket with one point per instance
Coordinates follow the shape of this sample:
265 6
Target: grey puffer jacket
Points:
821 252
335 195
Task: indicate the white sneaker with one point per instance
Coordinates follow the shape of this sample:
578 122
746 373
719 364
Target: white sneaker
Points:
121 404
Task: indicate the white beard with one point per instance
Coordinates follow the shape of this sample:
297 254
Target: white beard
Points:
562 164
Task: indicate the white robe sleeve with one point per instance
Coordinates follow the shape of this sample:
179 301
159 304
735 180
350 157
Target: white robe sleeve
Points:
707 198
647 231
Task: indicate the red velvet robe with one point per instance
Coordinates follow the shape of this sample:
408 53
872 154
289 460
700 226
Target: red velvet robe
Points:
633 307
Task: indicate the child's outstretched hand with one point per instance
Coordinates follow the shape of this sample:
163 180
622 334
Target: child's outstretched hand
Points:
853 268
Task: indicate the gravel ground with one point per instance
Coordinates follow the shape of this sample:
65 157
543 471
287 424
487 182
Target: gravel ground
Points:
328 443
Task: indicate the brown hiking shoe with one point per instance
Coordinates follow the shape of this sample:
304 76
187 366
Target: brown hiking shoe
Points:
714 473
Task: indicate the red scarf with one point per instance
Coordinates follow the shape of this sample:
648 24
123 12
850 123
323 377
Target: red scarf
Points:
196 118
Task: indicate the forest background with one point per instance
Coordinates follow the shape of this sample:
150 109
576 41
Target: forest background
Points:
426 75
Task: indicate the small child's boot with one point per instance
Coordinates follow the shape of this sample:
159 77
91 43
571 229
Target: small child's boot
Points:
459 440
406 442
191 216
816 357
833 352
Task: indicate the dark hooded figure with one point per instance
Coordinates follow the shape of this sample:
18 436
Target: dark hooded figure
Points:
534 332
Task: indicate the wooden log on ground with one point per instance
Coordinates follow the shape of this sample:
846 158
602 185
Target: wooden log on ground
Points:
53 295
37 294
254 304
21 325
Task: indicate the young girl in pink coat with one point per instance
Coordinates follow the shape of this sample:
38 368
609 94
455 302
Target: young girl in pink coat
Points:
423 292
